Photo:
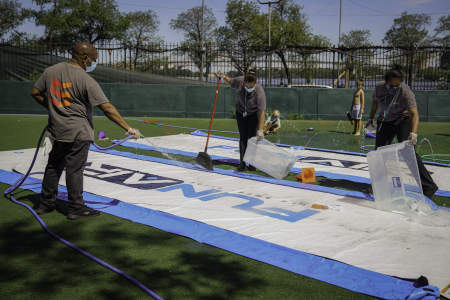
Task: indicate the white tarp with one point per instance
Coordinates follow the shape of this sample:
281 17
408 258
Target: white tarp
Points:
337 163
351 231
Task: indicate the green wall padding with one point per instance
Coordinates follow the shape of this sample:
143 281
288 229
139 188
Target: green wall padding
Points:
190 101
438 106
16 98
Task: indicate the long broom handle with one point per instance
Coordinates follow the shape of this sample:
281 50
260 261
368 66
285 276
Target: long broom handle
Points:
213 113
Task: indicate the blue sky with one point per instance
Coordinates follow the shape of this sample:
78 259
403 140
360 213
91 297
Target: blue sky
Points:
323 15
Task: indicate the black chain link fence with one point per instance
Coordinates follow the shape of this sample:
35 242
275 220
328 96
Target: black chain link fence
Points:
425 68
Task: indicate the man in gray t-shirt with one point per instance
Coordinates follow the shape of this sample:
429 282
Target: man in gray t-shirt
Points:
248 102
250 110
70 94
394 103
398 118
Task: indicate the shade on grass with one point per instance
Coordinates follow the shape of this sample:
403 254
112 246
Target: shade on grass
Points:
35 265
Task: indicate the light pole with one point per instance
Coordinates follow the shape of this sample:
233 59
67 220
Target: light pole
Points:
339 40
340 22
201 40
269 4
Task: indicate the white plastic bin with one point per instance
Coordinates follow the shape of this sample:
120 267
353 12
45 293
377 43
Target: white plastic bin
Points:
269 158
395 179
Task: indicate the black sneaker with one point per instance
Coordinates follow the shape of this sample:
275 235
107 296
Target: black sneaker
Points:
241 168
430 193
82 213
251 168
42 210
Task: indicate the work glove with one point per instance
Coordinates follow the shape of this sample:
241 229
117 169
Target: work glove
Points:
259 135
220 74
413 138
134 131
370 128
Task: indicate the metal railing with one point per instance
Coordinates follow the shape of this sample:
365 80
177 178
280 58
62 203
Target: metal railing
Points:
425 68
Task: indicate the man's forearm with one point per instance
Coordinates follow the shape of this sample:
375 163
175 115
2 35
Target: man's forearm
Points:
262 119
414 115
41 100
227 79
373 110
112 114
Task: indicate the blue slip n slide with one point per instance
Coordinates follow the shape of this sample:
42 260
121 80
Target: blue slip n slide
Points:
329 175
316 267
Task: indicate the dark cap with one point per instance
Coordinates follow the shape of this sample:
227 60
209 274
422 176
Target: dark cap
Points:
250 76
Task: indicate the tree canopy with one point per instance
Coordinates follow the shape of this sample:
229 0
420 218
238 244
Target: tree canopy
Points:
442 31
142 29
289 28
408 30
67 21
238 36
356 38
12 15
198 33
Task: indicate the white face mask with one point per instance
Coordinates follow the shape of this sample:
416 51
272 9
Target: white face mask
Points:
249 90
391 90
91 67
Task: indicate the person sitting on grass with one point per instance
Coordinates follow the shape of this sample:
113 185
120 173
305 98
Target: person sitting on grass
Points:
357 108
273 124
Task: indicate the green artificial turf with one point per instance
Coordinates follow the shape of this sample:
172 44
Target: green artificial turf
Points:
36 266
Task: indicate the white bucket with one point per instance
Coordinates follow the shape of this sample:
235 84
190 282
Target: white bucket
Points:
269 158
395 180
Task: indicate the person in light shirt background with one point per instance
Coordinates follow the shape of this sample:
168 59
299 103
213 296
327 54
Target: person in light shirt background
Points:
273 123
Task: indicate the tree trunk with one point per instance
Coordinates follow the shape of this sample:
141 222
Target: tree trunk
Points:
285 66
306 70
411 68
136 53
125 57
347 71
201 65
347 78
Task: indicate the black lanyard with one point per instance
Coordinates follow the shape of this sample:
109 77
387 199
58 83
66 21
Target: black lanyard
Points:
245 102
387 110
393 102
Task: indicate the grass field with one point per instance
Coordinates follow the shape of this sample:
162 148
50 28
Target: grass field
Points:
36 266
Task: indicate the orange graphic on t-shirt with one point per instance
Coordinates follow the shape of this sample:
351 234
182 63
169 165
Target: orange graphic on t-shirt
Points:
59 97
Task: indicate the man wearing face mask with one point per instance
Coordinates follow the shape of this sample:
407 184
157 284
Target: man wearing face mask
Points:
250 110
399 118
69 94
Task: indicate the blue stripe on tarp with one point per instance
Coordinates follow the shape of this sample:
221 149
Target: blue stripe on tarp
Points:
174 151
180 127
305 186
316 267
329 175
365 180
201 133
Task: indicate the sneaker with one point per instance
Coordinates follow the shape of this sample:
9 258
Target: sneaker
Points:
241 168
42 209
251 168
82 213
430 193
